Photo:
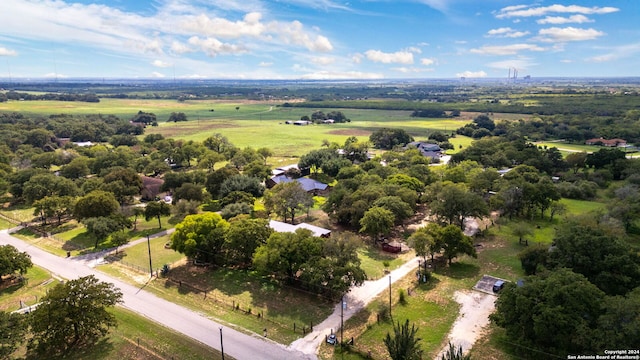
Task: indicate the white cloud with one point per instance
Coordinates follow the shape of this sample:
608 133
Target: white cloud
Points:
294 33
157 75
507 32
414 49
556 34
512 49
566 61
55 76
399 57
618 52
559 20
427 61
323 60
180 48
332 75
161 64
411 70
265 64
472 74
219 27
7 52
357 58
440 5
214 47
526 11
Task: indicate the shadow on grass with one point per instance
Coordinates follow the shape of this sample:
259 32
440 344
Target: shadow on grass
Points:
376 254
102 349
460 270
9 286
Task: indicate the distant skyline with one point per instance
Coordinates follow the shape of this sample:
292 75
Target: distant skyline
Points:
318 39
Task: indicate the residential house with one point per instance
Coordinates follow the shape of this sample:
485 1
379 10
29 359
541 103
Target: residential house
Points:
284 227
607 143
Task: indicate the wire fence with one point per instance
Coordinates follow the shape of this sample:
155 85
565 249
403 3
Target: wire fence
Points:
231 303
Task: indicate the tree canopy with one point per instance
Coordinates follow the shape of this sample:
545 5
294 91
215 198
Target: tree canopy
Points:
12 261
73 315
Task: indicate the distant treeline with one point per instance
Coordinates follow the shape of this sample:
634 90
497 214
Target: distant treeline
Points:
13 95
540 104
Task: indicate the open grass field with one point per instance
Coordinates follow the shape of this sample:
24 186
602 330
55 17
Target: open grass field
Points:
248 123
569 148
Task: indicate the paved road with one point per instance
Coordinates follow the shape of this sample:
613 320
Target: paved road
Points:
239 345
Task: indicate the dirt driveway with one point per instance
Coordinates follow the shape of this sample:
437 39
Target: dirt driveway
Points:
472 319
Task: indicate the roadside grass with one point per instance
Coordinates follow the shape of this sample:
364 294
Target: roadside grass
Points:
74 237
137 256
372 261
37 282
242 299
20 213
135 337
4 224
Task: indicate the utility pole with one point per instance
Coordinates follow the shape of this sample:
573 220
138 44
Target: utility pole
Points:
341 321
221 345
391 316
149 248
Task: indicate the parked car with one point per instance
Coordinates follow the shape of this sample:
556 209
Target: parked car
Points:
498 285
332 339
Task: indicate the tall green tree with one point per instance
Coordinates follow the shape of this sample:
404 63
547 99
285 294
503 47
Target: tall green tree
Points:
284 254
454 242
13 328
286 199
243 238
555 312
157 209
12 261
97 203
405 343
596 249
201 237
453 203
377 221
72 315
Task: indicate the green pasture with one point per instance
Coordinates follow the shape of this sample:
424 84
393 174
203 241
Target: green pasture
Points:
255 124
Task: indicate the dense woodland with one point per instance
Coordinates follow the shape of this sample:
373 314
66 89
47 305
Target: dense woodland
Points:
582 294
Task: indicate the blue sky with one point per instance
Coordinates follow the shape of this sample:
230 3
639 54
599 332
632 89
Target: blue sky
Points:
318 39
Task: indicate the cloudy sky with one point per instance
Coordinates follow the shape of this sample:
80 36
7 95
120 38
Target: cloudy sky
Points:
318 39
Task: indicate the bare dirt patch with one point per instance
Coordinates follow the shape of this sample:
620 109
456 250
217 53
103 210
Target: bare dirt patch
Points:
350 132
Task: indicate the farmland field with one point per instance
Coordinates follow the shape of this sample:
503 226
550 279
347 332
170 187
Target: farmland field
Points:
250 123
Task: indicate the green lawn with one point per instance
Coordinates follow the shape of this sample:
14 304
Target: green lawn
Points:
19 213
578 207
137 256
38 282
372 259
4 224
